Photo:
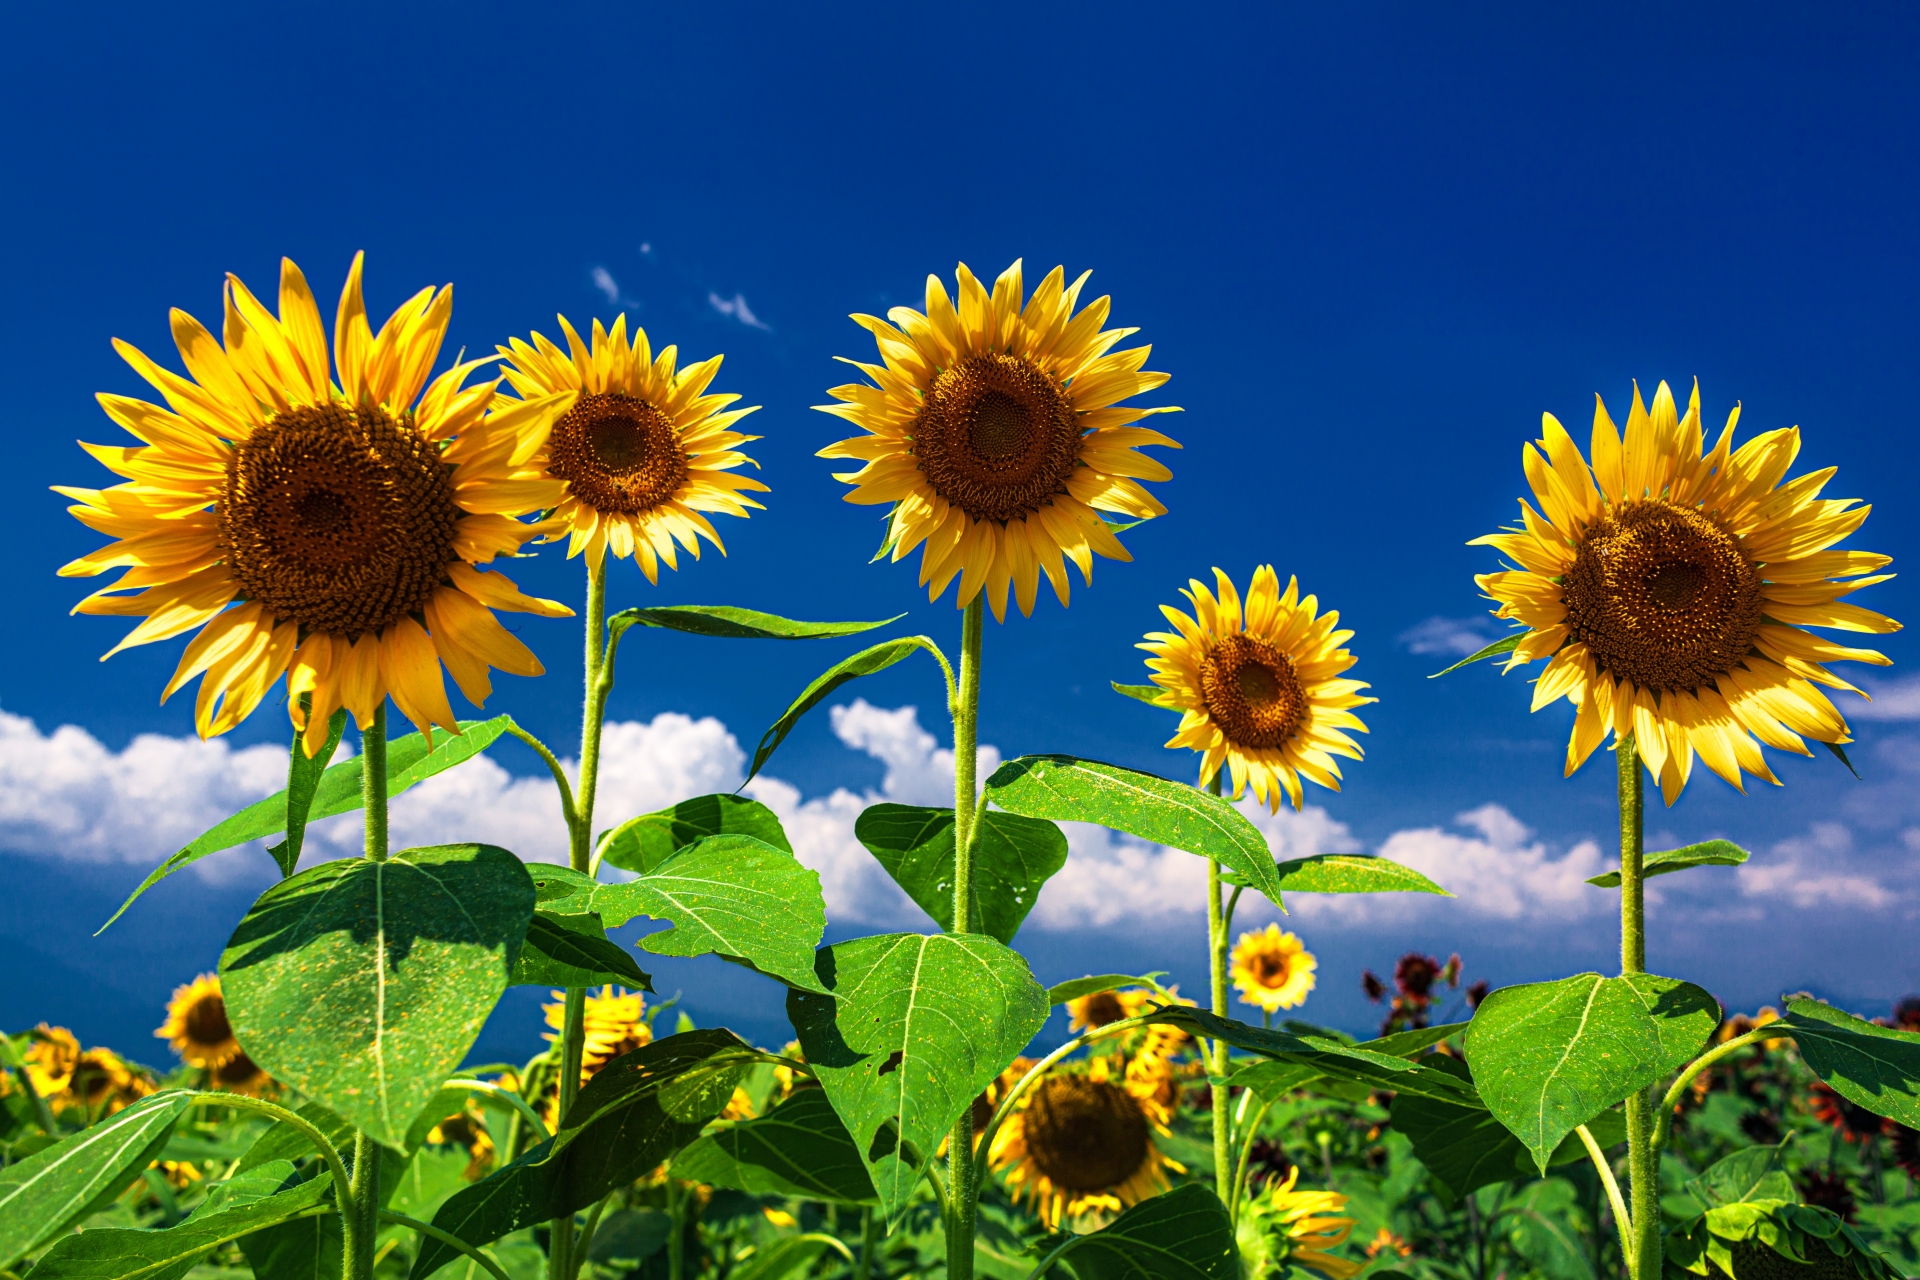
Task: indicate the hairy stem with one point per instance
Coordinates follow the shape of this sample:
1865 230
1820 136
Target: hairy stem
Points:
1216 1056
961 1166
447 1238
373 784
1643 1158
1622 1220
359 1214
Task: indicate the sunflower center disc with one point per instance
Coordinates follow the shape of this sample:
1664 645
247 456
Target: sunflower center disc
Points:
206 1022
1252 692
1270 969
997 437
1103 1008
1085 1135
619 454
1662 597
338 519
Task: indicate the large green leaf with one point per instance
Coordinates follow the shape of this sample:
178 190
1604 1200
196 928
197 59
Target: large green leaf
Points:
1067 788
1751 1173
1323 1054
559 955
1466 1148
409 762
1012 858
864 663
917 1026
43 1194
363 984
635 1112
1540 1227
732 896
303 780
1184 1234
726 621
1351 873
1873 1067
1549 1056
302 1249
1710 853
643 843
249 1203
800 1148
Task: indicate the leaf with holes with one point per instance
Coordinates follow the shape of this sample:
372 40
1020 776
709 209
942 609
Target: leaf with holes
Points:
800 1148
363 984
57 1186
1710 853
916 1026
727 622
1874 1067
1184 1234
558 954
643 843
1069 789
1012 858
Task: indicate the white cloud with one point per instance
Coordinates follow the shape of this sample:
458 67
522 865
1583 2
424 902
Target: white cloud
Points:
603 281
1451 637
737 307
1808 871
1892 700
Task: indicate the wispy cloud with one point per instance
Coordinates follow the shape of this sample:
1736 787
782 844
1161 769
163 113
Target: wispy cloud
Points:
1892 700
737 307
603 281
1451 637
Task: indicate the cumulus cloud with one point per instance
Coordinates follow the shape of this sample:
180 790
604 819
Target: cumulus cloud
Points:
737 307
1893 700
1450 637
1811 871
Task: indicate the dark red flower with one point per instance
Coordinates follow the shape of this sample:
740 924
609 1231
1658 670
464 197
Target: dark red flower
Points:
1370 983
1414 975
1852 1122
1476 993
1827 1192
1906 1013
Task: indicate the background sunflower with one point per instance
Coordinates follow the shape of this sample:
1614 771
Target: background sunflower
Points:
197 1025
1081 1143
1272 969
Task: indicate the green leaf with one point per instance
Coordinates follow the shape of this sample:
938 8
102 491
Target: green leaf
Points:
1012 858
1184 1234
742 624
1325 1055
864 663
1840 754
787 1255
408 762
1074 988
1406 1044
1066 788
732 896
1873 1067
556 955
55 1187
643 843
1752 1173
363 984
800 1148
917 1026
561 891
627 1119
303 1249
1710 853
1550 1056
1147 693
247 1204
1505 645
630 1236
1350 873
1540 1227
1466 1148
303 778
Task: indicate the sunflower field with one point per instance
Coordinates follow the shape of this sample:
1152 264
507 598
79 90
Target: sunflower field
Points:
322 513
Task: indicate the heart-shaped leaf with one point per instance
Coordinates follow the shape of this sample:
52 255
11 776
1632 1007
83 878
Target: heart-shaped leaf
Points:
1710 853
800 1148
1012 858
1752 1173
916 1027
1069 789
728 622
363 984
643 843
1184 1234
56 1186
1873 1067
557 954
1351 873
1466 1148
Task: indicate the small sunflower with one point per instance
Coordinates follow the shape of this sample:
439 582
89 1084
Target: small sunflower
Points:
1282 1226
241 1074
327 532
1080 1143
197 1025
1386 1240
469 1130
641 450
995 430
103 1082
1259 689
51 1058
1670 587
1103 1008
615 1024
1273 969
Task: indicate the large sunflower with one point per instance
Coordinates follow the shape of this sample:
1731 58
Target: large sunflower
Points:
997 433
197 1025
328 532
1259 689
641 450
1273 969
1080 1142
1669 587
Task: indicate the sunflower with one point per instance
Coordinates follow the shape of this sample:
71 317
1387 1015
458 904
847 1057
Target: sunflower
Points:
1386 1240
241 1074
51 1058
1853 1122
327 532
640 451
1103 1008
467 1129
1283 1226
197 1024
103 1082
995 430
1272 969
1259 690
1669 587
1080 1143
615 1024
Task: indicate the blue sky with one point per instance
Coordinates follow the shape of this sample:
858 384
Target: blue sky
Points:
1370 243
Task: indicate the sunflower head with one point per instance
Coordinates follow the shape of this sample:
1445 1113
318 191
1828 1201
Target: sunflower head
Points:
51 1058
1273 969
103 1082
1104 1007
615 1021
1670 586
241 1074
1082 1143
996 433
197 1025
1282 1226
324 530
640 451
1259 688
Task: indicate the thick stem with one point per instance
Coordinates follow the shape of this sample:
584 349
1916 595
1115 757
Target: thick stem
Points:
962 1169
1217 1051
360 1227
373 784
1643 1159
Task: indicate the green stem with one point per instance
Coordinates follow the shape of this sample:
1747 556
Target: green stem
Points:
447 1238
1216 1056
373 784
1643 1157
295 1121
359 1215
961 1165
11 1057
1664 1121
1246 1153
677 1229
1622 1220
585 1244
864 1268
